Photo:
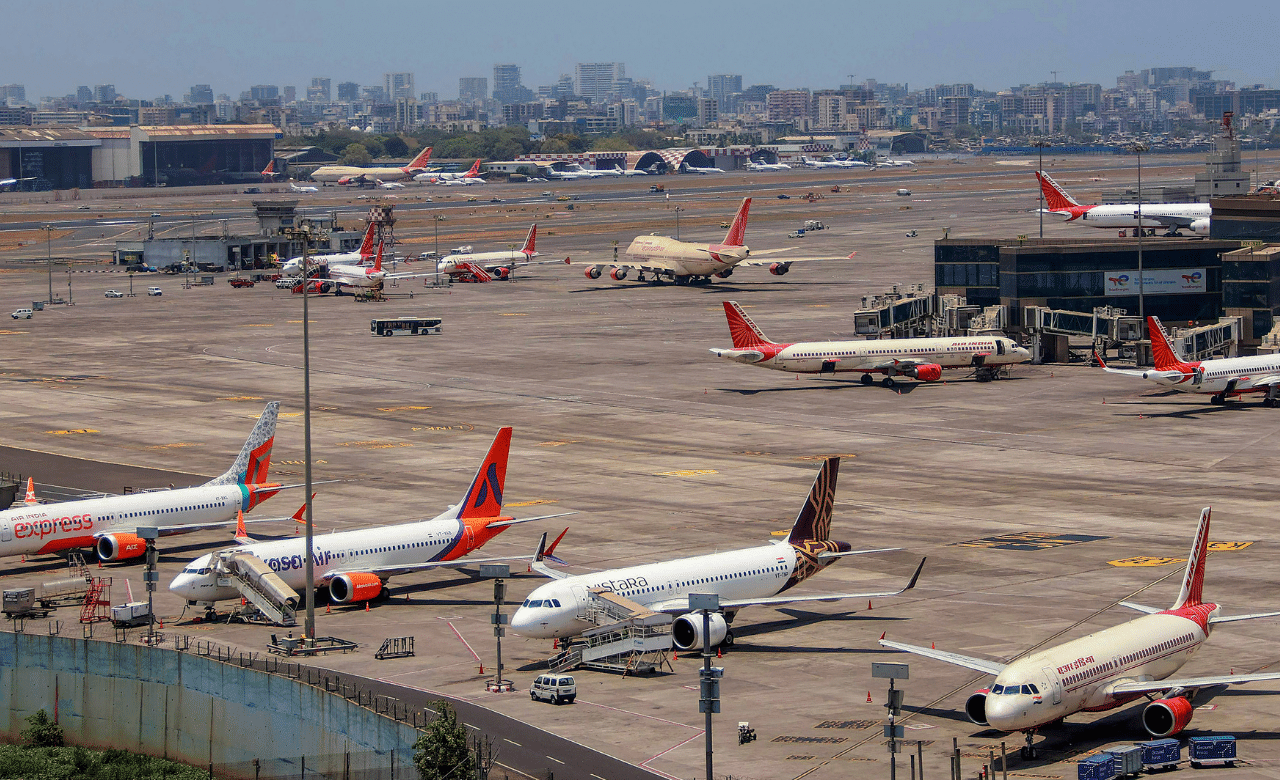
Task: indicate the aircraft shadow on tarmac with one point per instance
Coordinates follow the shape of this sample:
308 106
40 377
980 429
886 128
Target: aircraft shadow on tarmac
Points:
902 388
1193 412
717 288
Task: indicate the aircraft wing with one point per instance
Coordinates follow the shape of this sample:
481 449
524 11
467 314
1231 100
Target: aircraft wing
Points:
172 530
1141 607
1166 220
968 662
682 605
1266 381
790 259
1121 371
1157 686
405 568
649 266
518 521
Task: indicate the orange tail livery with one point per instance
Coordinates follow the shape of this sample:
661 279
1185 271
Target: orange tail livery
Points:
420 161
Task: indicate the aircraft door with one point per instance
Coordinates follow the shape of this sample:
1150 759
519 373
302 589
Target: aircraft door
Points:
6 532
1055 684
828 367
580 599
1197 377
999 346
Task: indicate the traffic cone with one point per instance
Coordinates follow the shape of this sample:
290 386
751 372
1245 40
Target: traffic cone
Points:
932 646
868 697
675 654
327 609
555 644
718 652
482 667
162 622
868 603
366 606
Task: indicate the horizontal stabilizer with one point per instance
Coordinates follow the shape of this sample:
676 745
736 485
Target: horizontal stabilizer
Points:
518 521
828 555
1141 608
1237 618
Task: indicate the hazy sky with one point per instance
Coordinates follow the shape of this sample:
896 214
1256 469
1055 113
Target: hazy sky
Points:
148 48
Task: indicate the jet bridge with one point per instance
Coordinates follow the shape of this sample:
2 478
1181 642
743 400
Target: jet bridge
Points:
628 637
259 585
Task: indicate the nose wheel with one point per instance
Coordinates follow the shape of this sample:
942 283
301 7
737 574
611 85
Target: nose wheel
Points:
1029 752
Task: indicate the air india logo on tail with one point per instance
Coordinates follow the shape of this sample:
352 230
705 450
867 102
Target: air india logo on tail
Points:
420 161
737 231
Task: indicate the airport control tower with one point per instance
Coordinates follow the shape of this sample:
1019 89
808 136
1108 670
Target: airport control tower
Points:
1222 176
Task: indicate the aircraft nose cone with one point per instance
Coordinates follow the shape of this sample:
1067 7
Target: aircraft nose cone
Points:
522 621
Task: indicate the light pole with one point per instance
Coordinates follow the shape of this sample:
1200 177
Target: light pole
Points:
1138 149
1040 145
678 210
48 248
709 676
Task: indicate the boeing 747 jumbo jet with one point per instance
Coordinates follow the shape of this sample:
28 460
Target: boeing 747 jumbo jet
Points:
348 174
1109 668
1220 379
665 258
1173 216
110 524
742 578
921 359
355 565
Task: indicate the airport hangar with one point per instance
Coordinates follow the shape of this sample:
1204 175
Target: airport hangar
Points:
58 158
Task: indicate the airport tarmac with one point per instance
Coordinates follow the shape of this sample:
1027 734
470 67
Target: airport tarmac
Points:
1039 499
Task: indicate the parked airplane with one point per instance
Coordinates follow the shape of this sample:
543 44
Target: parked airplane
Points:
487 266
887 162
389 185
1220 378
5 183
348 174
302 188
742 578
1172 216
753 165
682 262
269 172
574 171
809 162
687 168
921 359
109 524
294 265
355 565
1108 668
467 178
629 171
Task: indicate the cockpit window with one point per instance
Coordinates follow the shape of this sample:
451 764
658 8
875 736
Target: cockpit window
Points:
204 571
997 689
1029 689
555 602
1008 689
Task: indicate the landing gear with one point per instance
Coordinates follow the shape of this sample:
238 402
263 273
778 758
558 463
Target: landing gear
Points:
1029 752
1269 402
728 639
887 383
985 374
1217 400
640 277
867 380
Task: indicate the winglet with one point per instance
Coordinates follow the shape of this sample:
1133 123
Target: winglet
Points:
484 497
915 576
739 227
1193 580
549 553
300 515
31 492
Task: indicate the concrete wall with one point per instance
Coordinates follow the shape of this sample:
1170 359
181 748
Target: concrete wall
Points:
182 706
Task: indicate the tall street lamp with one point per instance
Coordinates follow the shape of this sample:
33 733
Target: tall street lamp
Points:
1138 149
48 249
1040 145
678 210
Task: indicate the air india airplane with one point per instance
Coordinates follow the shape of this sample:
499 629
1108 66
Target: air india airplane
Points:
109 525
349 174
682 262
355 565
1172 216
921 359
1220 379
468 177
489 266
1108 668
751 576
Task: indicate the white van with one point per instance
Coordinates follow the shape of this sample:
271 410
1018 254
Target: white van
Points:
554 688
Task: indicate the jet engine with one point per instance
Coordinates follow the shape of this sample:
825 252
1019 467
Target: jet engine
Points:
975 707
686 631
502 272
359 586
1200 226
593 272
929 372
1166 717
779 269
119 547
725 274
618 274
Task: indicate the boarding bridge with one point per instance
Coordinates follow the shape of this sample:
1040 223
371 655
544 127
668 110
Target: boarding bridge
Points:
898 313
259 585
628 638
1210 341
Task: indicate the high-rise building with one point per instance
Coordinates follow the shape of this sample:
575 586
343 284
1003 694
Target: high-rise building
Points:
290 94
507 87
320 90
348 92
374 94
721 86
104 93
708 111
264 92
473 88
398 85
16 93
784 105
200 94
430 98
84 95
597 81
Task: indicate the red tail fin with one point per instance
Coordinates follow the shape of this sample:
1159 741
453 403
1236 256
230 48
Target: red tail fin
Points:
484 498
475 169
1055 198
366 246
739 226
742 330
377 263
421 160
1161 349
31 491
1193 582
270 169
529 242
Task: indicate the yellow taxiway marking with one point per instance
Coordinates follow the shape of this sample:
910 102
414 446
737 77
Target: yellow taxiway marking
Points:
299 322
686 473
512 314
298 462
402 408
171 446
374 444
1144 560
535 502
557 443
258 325
242 398
463 427
73 431
12 332
1227 546
278 414
824 457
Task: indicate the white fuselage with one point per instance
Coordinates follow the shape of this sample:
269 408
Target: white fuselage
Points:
356 276
66 525
294 266
336 173
343 551
755 166
1076 676
1240 374
454 264
1125 215
685 258
867 356
558 608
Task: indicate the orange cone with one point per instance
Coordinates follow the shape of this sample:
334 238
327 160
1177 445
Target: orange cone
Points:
482 667
868 603
675 654
932 646
162 622
327 609
718 652
868 697
366 606
555 644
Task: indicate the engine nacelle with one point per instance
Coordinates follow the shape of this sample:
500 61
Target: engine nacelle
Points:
502 272
359 586
686 630
1166 717
725 274
325 287
120 547
929 372
975 707
779 269
618 274
1200 226
593 272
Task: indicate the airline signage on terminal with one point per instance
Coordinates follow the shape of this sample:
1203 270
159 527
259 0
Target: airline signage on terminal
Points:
1157 281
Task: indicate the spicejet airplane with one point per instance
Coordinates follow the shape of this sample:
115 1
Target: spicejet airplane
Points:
355 565
1174 216
682 262
349 174
921 359
1108 668
110 524
742 578
1220 379
469 177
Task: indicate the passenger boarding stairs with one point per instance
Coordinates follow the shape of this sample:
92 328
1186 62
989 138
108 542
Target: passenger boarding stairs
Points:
259 585
628 637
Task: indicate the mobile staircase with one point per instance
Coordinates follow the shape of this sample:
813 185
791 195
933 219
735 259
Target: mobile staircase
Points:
627 637
258 584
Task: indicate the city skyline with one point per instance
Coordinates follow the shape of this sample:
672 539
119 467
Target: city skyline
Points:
994 47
